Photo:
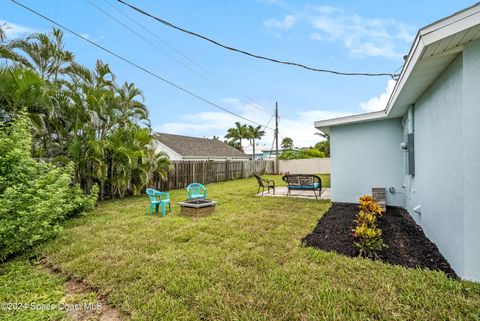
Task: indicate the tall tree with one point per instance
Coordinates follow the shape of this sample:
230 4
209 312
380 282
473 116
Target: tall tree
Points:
253 133
287 143
80 115
45 53
323 146
237 133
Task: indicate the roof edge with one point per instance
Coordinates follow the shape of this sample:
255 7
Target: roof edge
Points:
421 41
424 38
323 125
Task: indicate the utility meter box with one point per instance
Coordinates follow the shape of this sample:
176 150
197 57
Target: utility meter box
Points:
380 194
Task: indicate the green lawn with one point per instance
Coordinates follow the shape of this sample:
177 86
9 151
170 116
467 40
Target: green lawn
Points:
244 262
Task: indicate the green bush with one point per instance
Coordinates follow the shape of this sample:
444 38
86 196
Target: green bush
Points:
35 197
302 154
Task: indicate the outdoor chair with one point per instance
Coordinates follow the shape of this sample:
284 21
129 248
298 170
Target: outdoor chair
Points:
158 198
196 191
265 183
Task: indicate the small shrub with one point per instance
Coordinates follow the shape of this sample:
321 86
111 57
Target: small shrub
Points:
369 204
369 236
370 241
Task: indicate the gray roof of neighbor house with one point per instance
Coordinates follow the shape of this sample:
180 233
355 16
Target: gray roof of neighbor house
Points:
195 147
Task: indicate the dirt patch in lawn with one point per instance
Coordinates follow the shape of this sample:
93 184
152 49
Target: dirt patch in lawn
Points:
407 244
81 301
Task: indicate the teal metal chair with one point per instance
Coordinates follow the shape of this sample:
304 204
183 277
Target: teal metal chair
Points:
196 191
158 198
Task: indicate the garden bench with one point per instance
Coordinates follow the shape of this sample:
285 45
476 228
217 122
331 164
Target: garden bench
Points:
263 182
304 182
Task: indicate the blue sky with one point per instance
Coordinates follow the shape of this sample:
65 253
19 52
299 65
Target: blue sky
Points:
363 36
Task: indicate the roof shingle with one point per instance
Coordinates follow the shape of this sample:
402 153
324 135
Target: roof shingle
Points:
187 146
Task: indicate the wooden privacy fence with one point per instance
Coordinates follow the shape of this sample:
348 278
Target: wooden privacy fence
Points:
205 172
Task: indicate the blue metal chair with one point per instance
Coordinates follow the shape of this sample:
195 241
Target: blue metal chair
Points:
158 198
196 191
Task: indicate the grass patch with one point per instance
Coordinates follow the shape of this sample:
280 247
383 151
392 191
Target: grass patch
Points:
24 288
325 180
244 262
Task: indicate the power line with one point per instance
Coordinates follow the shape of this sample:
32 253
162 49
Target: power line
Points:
144 38
171 25
134 64
214 78
271 118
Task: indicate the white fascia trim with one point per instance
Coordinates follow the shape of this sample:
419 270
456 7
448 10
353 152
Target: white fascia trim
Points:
376 115
415 53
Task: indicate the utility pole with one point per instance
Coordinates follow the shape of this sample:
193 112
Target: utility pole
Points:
276 139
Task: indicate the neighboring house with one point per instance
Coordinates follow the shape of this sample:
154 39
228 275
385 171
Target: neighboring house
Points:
179 147
270 154
424 148
261 151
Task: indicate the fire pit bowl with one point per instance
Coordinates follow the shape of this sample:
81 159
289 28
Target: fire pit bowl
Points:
197 208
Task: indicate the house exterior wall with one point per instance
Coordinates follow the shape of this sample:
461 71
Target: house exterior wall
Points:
436 185
163 148
471 160
443 196
447 162
366 155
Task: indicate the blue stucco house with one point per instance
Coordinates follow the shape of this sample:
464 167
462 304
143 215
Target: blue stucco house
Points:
424 148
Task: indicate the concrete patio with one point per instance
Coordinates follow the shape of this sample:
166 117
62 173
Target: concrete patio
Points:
282 192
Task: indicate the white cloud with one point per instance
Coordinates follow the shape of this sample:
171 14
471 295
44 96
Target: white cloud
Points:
299 127
13 30
379 102
315 36
361 36
286 23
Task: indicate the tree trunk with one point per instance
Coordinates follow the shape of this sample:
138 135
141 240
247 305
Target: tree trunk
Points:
253 158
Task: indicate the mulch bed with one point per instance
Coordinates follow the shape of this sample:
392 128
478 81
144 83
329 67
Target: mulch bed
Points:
407 244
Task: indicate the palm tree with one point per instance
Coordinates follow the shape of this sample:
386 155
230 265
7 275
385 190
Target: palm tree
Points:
3 31
159 164
253 134
45 53
237 133
80 115
22 88
129 108
6 50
